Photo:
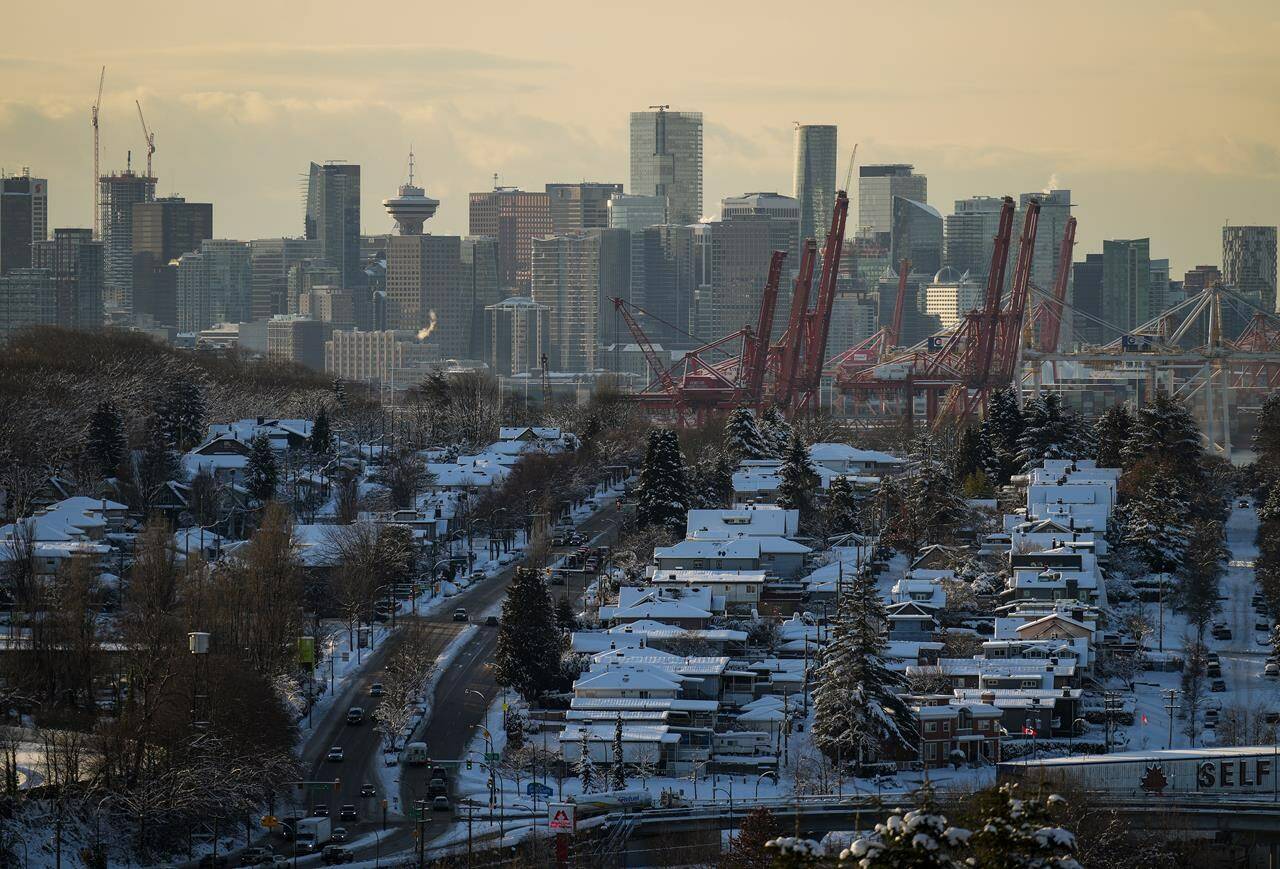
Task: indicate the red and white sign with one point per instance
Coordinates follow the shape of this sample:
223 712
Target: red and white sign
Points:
560 817
1028 730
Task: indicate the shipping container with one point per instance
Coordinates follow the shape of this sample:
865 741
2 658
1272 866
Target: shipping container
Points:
1218 772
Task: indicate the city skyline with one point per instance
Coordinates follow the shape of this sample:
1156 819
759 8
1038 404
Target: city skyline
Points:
237 121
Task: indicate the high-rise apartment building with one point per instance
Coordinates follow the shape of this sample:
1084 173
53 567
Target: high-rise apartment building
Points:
330 305
28 297
425 292
740 251
666 161
215 285
916 235
1200 278
24 219
305 276
519 335
1087 306
374 357
74 260
878 184
1160 292
117 196
514 218
581 206
635 214
670 281
567 271
480 290
296 339
969 236
333 217
815 179
952 294
1249 261
784 211
273 258
1126 284
163 230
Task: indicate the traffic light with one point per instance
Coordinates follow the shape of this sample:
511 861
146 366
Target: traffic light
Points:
468 763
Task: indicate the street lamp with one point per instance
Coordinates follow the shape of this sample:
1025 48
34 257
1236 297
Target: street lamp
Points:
729 794
769 775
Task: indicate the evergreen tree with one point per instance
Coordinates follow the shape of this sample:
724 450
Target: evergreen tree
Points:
662 496
321 440
916 839
566 618
156 466
339 392
1164 430
527 658
1155 525
1002 433
1269 512
971 455
711 481
619 769
1201 571
776 431
933 510
840 512
857 711
1049 431
742 436
261 473
513 726
182 412
587 775
105 442
1266 438
798 482
747 849
1020 833
1111 433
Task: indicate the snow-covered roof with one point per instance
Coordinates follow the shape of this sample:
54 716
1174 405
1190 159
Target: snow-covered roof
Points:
627 678
742 547
708 577
754 521
844 452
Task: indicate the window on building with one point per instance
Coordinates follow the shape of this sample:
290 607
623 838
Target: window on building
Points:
931 727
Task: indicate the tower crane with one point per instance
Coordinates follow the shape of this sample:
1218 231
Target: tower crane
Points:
97 104
149 136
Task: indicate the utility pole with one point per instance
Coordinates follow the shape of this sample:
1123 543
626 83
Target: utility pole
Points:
1171 707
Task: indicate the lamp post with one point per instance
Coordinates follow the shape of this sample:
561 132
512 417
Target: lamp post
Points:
1072 748
729 794
769 775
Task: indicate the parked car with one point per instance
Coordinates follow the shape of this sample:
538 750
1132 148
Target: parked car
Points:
334 854
377 689
335 754
460 614
1218 686
355 715
1213 670
1262 627
491 621
441 804
1272 670
255 856
348 813
368 790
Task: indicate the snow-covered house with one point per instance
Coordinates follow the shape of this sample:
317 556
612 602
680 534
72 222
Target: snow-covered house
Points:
1061 573
1077 492
1040 534
680 607
741 590
756 520
926 590
777 556
224 457
73 527
846 459
282 434
911 621
1030 711
954 731
655 744
757 480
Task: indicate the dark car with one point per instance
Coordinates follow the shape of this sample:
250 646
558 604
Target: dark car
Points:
254 856
437 787
491 621
320 811
338 835
348 813
334 854
460 614
377 689
1218 686
368 790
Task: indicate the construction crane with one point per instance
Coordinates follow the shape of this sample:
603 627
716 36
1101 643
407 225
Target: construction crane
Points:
545 377
149 136
97 104
818 321
893 335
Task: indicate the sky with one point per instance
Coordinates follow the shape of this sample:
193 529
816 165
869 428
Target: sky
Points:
1163 117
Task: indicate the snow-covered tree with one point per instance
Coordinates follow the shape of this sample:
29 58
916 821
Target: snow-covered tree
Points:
916 839
742 436
776 431
798 482
932 508
261 473
618 771
588 777
1155 525
1002 433
1269 512
1200 572
1164 430
840 512
1049 431
321 440
182 412
857 711
105 442
527 657
1266 438
1111 433
1022 834
662 497
711 481
971 455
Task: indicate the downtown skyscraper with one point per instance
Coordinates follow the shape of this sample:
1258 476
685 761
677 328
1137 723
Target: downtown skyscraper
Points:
1249 261
333 217
815 179
117 196
666 160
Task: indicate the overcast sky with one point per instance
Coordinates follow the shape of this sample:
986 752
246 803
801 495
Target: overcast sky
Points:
1162 117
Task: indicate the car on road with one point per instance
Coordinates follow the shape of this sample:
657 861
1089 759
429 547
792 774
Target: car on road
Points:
1262 627
377 689
491 621
1271 670
320 810
355 715
1218 686
560 540
460 614
477 575
335 754
334 854
255 856
441 804
348 812
368 790
1213 670
339 835
1243 502
437 787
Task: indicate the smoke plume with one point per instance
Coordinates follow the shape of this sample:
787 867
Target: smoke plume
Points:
424 334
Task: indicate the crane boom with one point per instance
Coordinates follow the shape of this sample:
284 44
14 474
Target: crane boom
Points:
819 320
97 104
1051 326
651 356
147 135
894 336
758 346
793 340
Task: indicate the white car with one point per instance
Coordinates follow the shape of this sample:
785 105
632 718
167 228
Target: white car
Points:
335 754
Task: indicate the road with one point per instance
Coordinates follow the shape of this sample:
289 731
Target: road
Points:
1242 656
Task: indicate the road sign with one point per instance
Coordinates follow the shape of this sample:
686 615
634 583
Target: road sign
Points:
492 757
560 817
270 822
537 788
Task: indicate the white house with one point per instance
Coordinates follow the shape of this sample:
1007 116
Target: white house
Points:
778 556
741 590
846 459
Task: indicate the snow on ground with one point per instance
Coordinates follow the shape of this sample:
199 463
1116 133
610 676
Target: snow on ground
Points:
336 673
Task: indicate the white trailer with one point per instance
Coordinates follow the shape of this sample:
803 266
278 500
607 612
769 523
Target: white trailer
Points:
1218 772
